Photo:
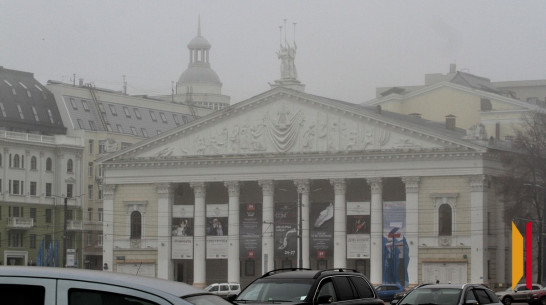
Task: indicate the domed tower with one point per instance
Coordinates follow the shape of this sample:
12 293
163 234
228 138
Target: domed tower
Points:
199 84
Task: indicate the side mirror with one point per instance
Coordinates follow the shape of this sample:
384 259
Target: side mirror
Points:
325 299
231 297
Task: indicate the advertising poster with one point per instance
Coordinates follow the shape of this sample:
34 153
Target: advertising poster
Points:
182 232
358 230
250 230
286 232
395 248
321 235
217 231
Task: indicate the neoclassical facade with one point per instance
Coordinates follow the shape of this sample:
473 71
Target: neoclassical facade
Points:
287 179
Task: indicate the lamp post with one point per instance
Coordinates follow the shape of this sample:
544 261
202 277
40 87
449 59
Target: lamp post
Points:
542 246
300 231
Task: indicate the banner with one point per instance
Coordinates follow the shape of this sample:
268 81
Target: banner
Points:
286 233
217 231
394 230
321 237
250 230
182 232
358 230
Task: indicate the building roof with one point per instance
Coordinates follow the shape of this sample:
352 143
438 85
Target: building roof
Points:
26 105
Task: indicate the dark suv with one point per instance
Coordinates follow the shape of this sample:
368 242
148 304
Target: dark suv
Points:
309 287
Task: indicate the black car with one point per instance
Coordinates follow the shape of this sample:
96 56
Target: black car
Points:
309 287
451 294
402 294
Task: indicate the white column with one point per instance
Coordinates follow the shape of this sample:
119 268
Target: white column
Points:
234 264
108 226
478 221
340 223
303 189
412 227
165 201
376 231
199 247
268 227
501 243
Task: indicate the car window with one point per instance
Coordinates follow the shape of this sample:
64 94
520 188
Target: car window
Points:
92 297
469 297
234 287
224 288
492 296
483 297
327 288
344 289
278 289
22 294
363 289
213 289
207 299
535 287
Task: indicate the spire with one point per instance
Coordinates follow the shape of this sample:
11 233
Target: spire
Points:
199 25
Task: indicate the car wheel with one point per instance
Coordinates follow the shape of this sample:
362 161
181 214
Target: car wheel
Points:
507 301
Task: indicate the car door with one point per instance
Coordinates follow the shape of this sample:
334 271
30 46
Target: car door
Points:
25 290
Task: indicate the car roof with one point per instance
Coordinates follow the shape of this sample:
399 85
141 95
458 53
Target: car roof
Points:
459 286
307 273
143 283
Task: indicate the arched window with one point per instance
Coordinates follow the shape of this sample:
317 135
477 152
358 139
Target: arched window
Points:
48 164
16 161
69 166
445 220
33 163
136 225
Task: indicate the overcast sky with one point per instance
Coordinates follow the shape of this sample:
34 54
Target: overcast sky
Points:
345 48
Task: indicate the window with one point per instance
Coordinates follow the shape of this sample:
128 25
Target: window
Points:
90 214
16 187
33 185
109 127
69 166
21 115
91 142
48 187
144 132
89 239
136 225
134 131
137 114
36 118
444 220
101 171
50 116
33 163
48 215
16 161
99 240
85 105
152 115
32 241
163 117
90 169
69 190
49 164
99 195
113 110
15 239
73 102
127 113
485 104
101 108
175 118
92 125
33 213
3 110
120 129
250 267
90 191
100 214
102 146
80 123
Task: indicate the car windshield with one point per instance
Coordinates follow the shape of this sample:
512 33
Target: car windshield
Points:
433 296
276 290
207 299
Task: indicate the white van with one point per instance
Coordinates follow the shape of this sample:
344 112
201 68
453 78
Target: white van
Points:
224 289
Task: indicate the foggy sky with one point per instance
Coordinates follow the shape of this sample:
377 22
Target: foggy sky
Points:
345 48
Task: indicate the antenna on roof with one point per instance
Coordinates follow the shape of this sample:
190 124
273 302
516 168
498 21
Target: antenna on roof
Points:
294 32
285 31
199 25
124 85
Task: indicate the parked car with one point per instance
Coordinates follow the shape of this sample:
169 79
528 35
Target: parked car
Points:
51 286
451 294
538 297
386 292
310 287
520 294
401 294
224 289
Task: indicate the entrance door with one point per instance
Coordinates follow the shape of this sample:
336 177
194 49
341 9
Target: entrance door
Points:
445 272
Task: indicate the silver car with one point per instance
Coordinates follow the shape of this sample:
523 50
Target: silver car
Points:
46 285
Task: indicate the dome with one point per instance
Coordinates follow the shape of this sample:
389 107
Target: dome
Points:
199 42
199 74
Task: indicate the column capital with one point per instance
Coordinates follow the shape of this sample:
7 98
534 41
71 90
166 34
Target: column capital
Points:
376 185
163 190
340 186
108 191
302 185
233 188
412 184
267 187
199 189
478 183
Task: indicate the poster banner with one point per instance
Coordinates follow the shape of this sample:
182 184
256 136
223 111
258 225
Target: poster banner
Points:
286 233
321 238
217 231
182 232
395 247
358 230
250 230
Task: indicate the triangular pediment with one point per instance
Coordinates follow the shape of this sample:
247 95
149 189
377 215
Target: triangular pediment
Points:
284 121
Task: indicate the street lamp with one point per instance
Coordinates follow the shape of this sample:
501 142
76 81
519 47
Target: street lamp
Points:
542 233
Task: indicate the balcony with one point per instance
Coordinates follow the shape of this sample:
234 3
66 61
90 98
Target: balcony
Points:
20 223
142 244
74 225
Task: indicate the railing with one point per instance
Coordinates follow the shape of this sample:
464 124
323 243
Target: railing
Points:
74 225
30 137
145 243
20 223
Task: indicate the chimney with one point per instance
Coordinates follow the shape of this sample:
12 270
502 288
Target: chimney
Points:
450 122
81 82
452 68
